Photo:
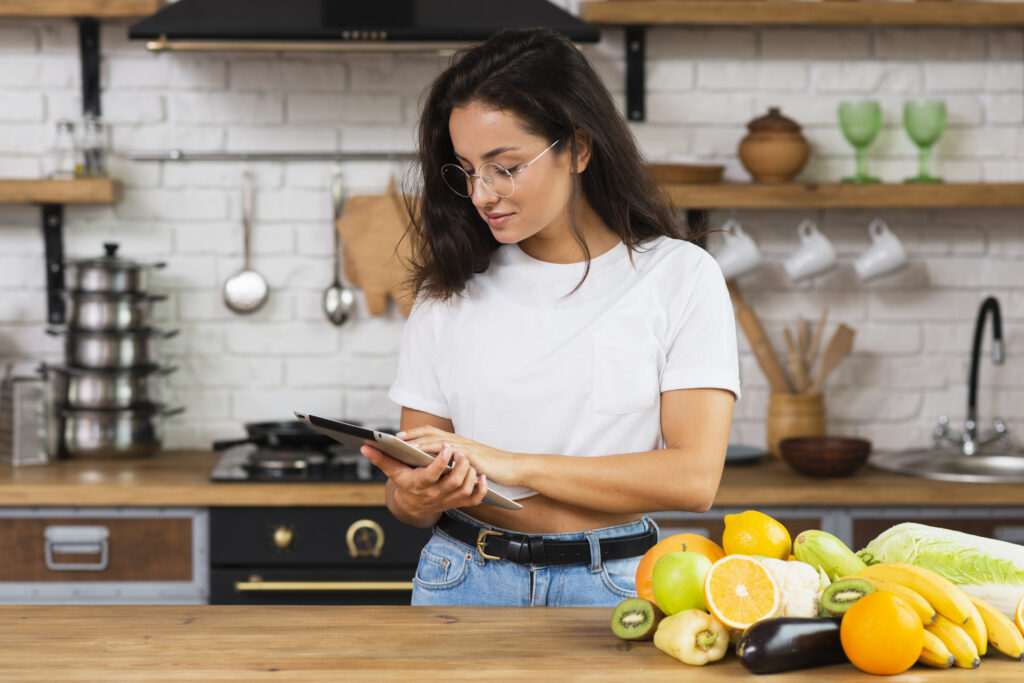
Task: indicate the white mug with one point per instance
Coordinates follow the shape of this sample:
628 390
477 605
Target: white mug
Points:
739 253
814 256
885 255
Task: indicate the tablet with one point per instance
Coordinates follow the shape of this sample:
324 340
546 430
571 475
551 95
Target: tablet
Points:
355 437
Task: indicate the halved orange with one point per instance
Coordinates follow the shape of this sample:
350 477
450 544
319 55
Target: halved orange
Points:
740 591
1018 614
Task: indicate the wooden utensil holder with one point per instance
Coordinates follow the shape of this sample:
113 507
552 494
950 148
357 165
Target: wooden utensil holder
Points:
794 415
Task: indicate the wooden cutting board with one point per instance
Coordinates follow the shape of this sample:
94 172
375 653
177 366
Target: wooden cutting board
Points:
376 257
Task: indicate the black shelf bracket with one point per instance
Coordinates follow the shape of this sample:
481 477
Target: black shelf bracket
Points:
53 214
53 241
89 51
636 50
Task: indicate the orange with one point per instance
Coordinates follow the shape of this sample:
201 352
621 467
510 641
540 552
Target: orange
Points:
673 544
755 533
881 634
1018 615
739 591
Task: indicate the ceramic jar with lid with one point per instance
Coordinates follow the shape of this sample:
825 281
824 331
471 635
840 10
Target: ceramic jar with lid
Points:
774 150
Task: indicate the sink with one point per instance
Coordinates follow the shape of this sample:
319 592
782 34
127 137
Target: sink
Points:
946 465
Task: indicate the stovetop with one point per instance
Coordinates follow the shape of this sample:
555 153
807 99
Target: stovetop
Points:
252 463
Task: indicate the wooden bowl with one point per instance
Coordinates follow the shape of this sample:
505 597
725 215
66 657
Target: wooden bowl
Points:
686 173
825 456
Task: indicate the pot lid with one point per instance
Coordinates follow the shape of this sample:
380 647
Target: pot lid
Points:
774 121
109 261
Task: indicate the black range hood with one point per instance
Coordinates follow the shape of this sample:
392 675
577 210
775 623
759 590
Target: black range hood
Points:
346 24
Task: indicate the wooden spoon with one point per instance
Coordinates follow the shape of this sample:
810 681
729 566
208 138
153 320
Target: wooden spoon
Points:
762 348
836 350
812 350
795 363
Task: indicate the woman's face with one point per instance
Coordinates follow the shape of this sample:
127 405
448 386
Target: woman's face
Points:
538 205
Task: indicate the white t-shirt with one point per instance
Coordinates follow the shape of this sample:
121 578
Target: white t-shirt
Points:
519 364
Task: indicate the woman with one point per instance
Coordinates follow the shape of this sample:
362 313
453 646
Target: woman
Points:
566 348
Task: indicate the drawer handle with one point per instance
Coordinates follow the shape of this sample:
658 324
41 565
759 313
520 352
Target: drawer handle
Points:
256 584
76 540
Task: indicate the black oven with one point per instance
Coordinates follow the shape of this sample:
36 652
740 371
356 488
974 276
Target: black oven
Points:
312 555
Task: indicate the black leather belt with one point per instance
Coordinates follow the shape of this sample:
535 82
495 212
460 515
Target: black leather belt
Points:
535 549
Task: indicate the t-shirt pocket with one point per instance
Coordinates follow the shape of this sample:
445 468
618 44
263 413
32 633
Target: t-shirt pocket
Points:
625 377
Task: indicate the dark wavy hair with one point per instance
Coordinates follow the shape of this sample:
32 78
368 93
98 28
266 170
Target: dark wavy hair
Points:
542 78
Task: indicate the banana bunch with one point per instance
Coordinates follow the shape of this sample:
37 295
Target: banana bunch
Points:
958 628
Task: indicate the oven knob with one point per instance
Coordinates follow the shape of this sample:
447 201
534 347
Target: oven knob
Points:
365 538
282 537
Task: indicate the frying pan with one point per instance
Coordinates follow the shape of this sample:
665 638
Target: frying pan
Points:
285 434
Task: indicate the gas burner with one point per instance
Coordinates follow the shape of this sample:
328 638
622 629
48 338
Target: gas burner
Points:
251 463
280 464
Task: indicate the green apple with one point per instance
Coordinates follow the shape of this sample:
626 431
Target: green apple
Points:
678 581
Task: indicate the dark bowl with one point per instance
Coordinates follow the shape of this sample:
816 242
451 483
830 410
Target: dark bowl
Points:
825 456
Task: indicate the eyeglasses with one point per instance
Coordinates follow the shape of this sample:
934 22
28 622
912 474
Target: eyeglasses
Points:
496 178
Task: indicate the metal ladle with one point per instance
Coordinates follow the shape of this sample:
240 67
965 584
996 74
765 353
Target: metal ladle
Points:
246 291
338 299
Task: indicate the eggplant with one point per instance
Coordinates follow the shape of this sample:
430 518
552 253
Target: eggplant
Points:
786 643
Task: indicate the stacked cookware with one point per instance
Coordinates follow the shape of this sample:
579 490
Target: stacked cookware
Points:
107 392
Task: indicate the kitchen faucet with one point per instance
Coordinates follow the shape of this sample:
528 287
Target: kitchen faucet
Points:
969 441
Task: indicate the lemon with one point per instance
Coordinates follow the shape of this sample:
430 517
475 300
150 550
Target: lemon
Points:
755 533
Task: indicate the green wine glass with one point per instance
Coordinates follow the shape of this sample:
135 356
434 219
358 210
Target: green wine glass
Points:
924 120
860 121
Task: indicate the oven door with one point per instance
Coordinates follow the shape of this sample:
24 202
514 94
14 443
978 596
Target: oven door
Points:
277 586
312 555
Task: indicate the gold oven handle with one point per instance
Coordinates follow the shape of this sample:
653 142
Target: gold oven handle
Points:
256 584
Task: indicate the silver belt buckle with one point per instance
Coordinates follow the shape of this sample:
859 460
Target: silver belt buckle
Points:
481 540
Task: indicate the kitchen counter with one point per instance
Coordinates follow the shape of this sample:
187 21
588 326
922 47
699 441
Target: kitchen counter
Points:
142 643
181 478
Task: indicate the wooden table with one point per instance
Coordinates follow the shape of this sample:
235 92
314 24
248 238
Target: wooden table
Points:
182 478
217 643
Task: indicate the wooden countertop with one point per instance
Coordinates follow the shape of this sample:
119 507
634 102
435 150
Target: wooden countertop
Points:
181 478
254 643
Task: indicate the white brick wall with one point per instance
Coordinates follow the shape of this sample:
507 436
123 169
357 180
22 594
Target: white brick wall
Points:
914 328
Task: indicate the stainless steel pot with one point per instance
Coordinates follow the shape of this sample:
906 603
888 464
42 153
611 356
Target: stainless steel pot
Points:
111 311
128 433
90 389
128 349
109 273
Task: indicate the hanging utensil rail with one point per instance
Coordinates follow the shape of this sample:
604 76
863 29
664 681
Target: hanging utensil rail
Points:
181 155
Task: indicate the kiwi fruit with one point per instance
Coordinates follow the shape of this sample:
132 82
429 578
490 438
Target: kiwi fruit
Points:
636 619
838 597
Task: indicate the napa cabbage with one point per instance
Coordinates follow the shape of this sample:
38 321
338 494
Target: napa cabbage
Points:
983 567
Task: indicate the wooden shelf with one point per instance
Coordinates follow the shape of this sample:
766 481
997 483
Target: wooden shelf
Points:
785 12
96 9
44 191
845 196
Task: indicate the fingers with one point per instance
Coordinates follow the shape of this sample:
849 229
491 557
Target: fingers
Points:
420 432
436 486
384 463
481 490
439 466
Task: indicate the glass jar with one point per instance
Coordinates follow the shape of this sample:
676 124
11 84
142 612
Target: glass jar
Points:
93 148
65 154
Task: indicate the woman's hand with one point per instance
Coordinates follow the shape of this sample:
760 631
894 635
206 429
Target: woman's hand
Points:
498 465
432 489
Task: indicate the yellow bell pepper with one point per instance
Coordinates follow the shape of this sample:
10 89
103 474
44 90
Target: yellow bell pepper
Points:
693 637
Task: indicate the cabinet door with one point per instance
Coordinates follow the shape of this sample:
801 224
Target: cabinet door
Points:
150 549
1002 528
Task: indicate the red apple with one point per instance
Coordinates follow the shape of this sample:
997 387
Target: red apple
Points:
678 581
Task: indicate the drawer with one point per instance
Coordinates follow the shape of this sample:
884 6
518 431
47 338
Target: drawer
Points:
77 549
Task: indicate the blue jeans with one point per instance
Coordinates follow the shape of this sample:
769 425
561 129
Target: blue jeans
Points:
453 573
